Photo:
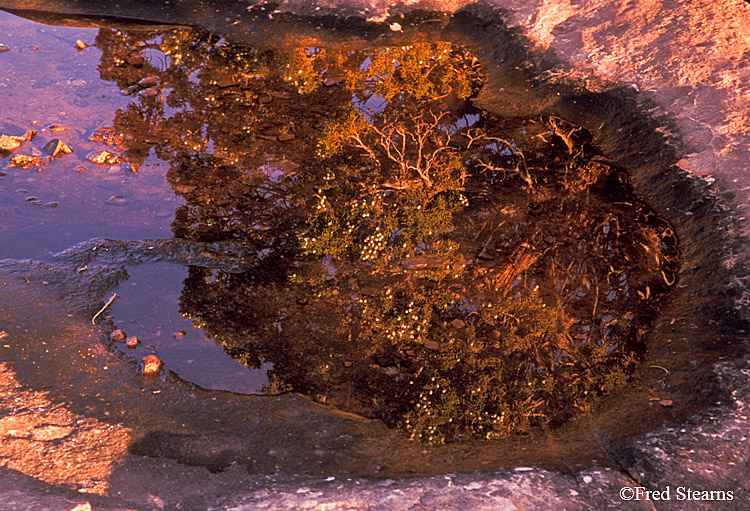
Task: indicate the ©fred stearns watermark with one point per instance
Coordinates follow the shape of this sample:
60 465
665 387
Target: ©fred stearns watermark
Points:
679 493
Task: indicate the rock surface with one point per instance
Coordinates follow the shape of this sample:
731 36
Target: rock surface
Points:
689 61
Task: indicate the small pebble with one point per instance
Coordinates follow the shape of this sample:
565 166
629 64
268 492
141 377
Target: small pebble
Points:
179 334
149 93
132 342
3 48
431 345
51 204
100 157
116 200
118 336
80 45
458 324
151 364
149 81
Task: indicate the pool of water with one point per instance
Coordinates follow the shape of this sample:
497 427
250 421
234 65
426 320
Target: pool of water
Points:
407 255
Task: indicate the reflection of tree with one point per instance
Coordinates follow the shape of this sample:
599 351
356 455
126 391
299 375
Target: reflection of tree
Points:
417 260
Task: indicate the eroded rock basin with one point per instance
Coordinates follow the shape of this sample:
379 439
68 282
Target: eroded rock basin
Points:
289 436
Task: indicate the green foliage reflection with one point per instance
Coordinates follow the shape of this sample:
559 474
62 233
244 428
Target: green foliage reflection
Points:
418 260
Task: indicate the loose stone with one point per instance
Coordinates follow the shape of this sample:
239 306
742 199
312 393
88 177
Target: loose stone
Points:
118 336
431 345
458 324
149 81
151 364
102 157
9 143
180 334
3 48
80 45
149 93
132 342
56 147
116 200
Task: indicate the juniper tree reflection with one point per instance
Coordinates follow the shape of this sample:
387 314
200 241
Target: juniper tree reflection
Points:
418 260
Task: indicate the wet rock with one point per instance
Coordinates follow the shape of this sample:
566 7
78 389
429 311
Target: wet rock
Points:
149 81
25 162
80 45
57 128
151 364
149 93
56 147
118 336
9 143
85 506
117 200
3 48
103 157
132 342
